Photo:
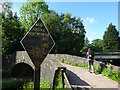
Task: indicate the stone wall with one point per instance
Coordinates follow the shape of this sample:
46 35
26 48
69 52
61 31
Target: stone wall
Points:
73 59
66 58
80 60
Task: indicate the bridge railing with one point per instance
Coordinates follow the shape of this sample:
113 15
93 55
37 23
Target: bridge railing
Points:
65 81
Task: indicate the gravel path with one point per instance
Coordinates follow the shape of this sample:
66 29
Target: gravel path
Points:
80 77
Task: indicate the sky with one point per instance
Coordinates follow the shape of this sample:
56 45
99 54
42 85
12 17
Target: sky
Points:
96 16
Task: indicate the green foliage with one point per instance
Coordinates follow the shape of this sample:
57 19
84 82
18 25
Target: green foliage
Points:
31 11
111 39
27 85
83 65
44 84
74 64
67 32
63 28
58 81
84 50
97 69
6 9
62 60
68 62
114 75
86 46
12 85
86 41
96 46
12 32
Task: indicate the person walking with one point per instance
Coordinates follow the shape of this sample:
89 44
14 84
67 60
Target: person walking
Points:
90 59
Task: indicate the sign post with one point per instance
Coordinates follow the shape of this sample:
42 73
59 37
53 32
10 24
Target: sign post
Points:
37 43
37 79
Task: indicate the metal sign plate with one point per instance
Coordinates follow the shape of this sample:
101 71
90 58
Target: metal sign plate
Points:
37 43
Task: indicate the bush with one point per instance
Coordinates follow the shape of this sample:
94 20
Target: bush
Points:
44 84
114 75
97 69
27 85
74 64
58 82
62 60
83 65
68 62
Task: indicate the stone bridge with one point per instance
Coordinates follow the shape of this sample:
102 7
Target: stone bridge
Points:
20 65
20 61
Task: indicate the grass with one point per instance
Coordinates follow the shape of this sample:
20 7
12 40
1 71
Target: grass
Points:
26 85
12 85
29 85
45 84
76 64
114 75
58 81
98 69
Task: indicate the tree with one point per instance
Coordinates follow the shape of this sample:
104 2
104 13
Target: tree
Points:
86 46
97 45
12 32
86 41
111 39
52 23
67 32
6 9
31 11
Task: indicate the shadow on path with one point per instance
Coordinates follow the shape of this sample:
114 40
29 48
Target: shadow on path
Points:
75 80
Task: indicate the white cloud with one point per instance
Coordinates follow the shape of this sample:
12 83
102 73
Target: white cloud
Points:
89 20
